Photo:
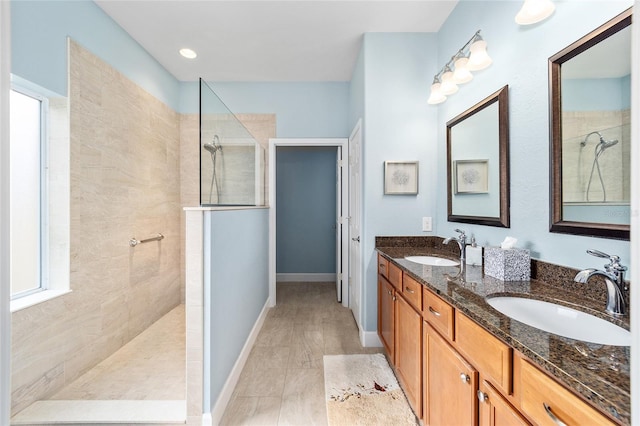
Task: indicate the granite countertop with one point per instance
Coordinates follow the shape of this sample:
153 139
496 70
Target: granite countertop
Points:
599 373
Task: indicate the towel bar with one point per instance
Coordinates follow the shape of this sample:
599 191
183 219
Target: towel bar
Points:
133 242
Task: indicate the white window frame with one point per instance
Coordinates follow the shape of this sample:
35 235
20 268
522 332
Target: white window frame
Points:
48 289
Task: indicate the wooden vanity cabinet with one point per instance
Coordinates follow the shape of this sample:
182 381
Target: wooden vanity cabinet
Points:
454 372
386 315
408 352
495 410
546 402
450 383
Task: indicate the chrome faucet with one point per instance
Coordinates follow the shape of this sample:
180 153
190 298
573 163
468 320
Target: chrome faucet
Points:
613 275
462 243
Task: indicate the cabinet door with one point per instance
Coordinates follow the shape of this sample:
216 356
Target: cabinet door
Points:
386 310
495 410
450 383
408 352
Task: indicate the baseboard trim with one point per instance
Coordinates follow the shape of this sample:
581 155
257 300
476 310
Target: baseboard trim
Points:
370 339
227 390
302 277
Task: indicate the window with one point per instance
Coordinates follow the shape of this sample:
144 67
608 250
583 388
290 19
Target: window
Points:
28 113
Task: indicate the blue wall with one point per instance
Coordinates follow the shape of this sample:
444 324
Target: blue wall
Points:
400 126
39 31
596 94
520 57
304 110
236 285
306 210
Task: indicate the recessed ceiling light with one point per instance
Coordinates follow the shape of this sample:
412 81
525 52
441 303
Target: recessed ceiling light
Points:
188 53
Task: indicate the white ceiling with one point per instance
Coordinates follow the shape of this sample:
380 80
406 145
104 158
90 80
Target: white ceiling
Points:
265 40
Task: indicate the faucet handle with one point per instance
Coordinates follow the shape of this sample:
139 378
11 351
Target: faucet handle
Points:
598 253
613 259
461 232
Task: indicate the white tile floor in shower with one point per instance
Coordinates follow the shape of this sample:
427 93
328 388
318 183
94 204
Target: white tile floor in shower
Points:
144 381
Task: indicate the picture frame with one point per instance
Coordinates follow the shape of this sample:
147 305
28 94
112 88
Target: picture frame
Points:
471 176
401 177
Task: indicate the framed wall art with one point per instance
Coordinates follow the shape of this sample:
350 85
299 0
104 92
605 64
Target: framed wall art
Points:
472 176
400 177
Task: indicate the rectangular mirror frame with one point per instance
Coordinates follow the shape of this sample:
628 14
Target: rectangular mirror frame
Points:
502 98
557 224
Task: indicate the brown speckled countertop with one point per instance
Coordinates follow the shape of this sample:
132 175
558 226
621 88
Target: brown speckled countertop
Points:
597 372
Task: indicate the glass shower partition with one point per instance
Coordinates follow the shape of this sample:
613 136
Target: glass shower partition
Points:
232 161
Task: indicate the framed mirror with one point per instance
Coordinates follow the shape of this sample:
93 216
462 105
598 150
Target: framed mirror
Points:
590 114
478 163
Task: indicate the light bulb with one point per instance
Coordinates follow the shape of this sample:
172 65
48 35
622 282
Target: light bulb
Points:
436 96
534 11
461 73
479 58
448 86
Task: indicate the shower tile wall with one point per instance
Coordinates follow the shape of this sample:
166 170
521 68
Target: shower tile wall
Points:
577 161
124 173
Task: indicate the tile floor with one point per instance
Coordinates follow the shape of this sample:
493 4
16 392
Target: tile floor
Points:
143 382
282 382
149 367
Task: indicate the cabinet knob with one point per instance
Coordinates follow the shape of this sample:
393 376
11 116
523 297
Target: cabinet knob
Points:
389 292
553 417
482 397
465 378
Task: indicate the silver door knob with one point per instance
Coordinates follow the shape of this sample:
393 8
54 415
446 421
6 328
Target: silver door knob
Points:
356 239
465 378
482 397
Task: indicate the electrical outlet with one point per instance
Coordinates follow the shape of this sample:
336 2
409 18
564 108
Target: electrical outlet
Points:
426 224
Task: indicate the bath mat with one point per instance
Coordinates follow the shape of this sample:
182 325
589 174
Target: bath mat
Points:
362 390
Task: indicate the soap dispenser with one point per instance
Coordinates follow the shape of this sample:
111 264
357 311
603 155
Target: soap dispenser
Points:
474 253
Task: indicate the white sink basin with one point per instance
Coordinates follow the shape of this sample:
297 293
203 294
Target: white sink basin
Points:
432 260
561 320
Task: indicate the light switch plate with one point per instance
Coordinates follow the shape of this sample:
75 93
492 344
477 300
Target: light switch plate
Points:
426 224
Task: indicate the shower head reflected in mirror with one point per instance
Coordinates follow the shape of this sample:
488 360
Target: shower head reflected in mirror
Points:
602 145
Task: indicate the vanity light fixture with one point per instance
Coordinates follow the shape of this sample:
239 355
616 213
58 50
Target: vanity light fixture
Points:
188 53
472 56
534 11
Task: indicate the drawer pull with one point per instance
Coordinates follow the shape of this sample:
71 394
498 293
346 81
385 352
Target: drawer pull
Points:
409 290
553 416
465 378
389 292
434 312
482 397
382 265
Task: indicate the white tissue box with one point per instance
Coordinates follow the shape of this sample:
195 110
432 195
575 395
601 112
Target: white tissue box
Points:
507 264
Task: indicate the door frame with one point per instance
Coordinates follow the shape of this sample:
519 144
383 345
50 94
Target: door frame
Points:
274 143
5 293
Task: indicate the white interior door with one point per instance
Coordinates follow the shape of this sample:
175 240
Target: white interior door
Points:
342 227
338 226
355 142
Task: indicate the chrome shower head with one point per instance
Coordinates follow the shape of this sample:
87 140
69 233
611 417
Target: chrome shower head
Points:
214 146
210 147
607 144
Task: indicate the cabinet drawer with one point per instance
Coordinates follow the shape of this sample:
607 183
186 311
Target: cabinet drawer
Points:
412 292
395 276
488 354
543 397
383 266
438 313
